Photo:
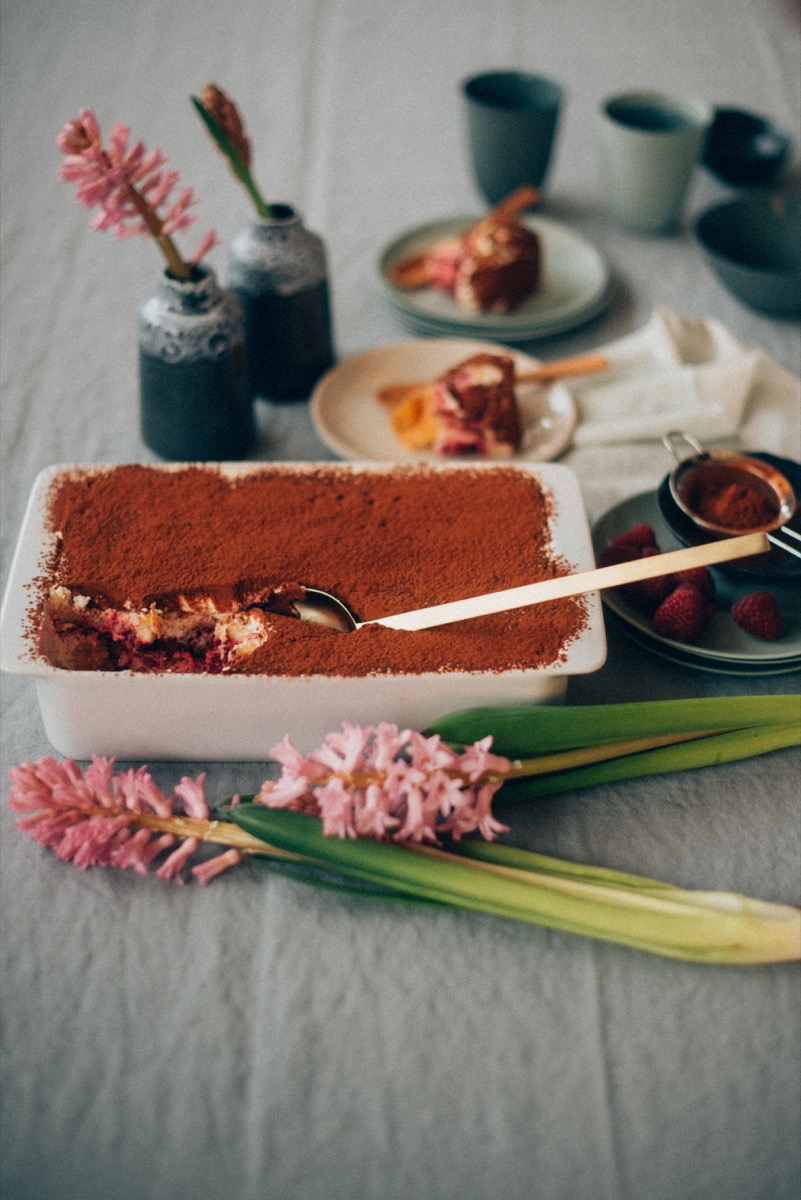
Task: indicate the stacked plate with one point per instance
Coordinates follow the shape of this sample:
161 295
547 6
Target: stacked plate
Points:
723 648
576 286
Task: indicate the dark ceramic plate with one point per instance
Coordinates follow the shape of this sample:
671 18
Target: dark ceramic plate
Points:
723 647
777 566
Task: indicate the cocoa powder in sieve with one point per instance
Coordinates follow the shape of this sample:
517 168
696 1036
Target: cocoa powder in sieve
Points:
734 505
383 541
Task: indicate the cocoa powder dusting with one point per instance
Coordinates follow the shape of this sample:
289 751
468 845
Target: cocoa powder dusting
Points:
735 505
383 541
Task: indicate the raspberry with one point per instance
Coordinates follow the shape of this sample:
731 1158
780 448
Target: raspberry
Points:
628 545
641 535
758 614
648 594
611 555
700 578
682 616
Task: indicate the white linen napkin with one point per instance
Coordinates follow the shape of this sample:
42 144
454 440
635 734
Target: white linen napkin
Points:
675 373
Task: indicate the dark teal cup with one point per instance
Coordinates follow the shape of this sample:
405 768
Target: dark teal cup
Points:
512 121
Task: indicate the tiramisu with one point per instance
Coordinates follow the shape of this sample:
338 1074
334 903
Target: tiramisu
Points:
492 268
198 569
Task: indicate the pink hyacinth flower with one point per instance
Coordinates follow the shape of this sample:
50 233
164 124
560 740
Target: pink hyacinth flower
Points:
130 188
383 782
95 818
206 871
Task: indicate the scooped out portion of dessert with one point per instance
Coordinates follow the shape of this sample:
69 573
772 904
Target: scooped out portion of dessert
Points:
191 569
469 410
214 629
492 267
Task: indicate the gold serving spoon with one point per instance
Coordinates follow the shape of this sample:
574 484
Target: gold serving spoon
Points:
322 608
393 394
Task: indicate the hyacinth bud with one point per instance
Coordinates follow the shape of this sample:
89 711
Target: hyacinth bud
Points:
219 106
75 138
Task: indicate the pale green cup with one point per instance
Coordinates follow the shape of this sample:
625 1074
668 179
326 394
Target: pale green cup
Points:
650 143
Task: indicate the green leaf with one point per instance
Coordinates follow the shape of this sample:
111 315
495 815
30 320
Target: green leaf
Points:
327 880
683 756
524 731
701 926
528 860
240 169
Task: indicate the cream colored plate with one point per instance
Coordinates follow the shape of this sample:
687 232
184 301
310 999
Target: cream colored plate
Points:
352 423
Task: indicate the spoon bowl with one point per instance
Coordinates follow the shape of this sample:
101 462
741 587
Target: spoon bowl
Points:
322 608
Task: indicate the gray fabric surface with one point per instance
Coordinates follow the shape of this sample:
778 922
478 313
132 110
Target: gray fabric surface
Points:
256 1038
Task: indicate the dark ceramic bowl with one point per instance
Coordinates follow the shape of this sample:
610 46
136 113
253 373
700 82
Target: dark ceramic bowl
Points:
753 245
744 149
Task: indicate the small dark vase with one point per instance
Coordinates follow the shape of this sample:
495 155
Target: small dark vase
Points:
278 269
195 403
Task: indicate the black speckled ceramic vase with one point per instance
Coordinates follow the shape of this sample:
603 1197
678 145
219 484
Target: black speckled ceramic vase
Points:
195 401
278 269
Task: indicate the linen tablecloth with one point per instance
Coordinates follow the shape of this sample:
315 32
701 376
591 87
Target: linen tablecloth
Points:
256 1038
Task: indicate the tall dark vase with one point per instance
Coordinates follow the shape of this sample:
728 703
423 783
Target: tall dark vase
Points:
195 401
278 269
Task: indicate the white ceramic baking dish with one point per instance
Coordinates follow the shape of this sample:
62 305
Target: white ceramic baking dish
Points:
238 717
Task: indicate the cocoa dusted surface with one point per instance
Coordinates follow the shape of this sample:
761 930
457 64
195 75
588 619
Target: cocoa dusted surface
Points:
382 541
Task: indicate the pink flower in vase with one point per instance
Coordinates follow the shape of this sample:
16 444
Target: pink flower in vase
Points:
130 187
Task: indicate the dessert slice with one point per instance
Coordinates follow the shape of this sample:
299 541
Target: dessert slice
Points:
470 409
476 408
491 267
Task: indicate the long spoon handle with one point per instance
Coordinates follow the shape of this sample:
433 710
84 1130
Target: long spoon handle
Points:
506 210
559 368
576 585
562 368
